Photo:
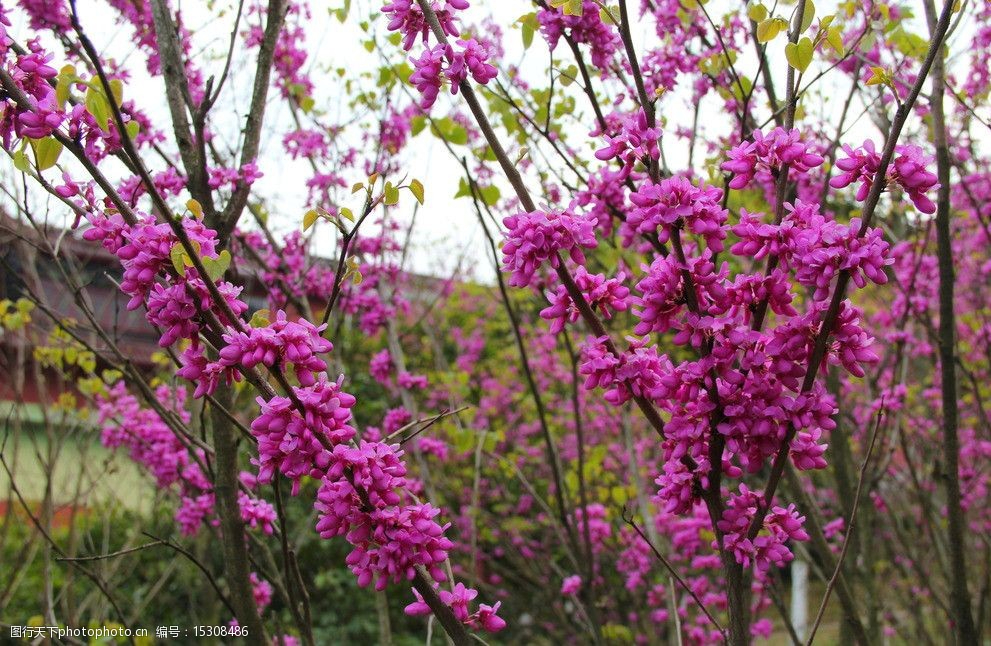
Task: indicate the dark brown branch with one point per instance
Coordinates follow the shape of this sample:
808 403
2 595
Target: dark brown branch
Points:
956 519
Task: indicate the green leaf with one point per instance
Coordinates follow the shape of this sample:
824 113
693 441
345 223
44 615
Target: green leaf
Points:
391 194
489 194
132 128
309 218
909 44
458 136
808 16
451 131
464 190
67 76
21 162
767 30
117 89
416 188
260 318
98 106
799 54
834 36
216 267
178 256
528 27
757 12
570 7
46 152
568 75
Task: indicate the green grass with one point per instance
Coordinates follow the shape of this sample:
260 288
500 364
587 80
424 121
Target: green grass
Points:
79 470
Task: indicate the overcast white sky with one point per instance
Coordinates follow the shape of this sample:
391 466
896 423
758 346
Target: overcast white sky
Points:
446 230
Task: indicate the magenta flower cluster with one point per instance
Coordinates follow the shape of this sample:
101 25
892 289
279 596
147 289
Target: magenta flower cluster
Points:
742 385
634 140
450 62
174 464
458 599
390 537
770 152
768 547
541 236
605 295
305 433
588 29
406 17
676 202
908 170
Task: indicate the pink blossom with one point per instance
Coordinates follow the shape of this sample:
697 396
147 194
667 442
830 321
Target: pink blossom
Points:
538 237
571 585
769 152
908 170
603 295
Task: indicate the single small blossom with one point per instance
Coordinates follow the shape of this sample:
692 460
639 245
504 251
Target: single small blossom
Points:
571 585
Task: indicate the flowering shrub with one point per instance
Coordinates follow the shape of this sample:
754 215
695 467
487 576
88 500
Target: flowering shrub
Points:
700 356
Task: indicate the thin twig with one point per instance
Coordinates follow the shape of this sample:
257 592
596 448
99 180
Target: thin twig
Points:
849 529
667 564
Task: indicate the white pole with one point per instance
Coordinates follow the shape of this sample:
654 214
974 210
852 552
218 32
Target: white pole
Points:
800 596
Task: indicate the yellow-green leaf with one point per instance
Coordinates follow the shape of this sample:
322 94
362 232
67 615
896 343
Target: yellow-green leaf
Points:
260 318
309 218
391 194
66 77
528 27
46 152
347 214
195 207
808 16
216 267
834 36
132 128
416 188
768 29
117 89
878 76
490 195
799 54
570 7
21 162
757 12
97 105
178 256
